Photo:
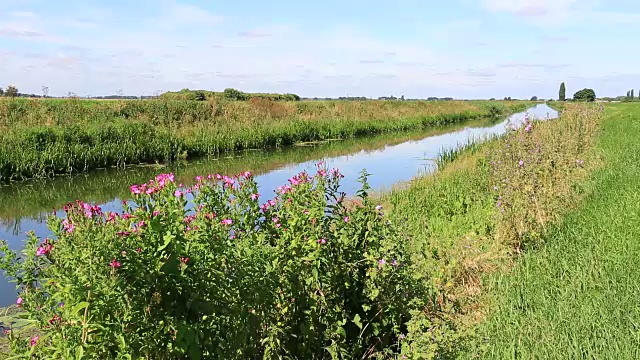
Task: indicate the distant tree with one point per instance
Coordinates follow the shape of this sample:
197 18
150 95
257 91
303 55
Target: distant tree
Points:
492 99
233 94
562 95
11 91
585 95
402 97
534 98
632 96
200 96
1 92
45 91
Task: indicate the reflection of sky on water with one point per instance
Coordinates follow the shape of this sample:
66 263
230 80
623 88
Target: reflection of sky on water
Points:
388 166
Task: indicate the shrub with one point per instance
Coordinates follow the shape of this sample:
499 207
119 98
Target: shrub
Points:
219 276
534 171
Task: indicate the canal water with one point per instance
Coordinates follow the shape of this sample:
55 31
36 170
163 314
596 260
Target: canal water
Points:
390 158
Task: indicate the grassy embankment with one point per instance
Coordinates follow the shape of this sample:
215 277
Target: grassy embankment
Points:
36 198
577 296
472 216
70 136
483 208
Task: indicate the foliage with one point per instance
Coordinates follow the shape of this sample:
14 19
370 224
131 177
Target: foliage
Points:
1 92
534 98
533 172
562 94
585 95
300 276
11 91
70 136
228 94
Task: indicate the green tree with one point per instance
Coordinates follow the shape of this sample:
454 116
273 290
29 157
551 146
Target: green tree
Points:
585 95
534 98
233 94
200 96
563 92
11 91
1 92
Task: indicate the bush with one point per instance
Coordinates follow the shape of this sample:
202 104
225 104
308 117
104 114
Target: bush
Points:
300 276
585 95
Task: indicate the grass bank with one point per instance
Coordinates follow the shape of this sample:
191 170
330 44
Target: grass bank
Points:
483 209
577 296
71 136
413 292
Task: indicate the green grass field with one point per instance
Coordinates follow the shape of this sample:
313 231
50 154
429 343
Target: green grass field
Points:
576 297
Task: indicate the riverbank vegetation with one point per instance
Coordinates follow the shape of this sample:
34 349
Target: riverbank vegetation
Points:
168 280
576 296
35 199
71 136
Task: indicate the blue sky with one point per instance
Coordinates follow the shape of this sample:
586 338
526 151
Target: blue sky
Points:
457 48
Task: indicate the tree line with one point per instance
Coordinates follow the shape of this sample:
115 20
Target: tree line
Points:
585 94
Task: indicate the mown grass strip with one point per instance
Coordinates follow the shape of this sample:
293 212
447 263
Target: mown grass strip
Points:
577 296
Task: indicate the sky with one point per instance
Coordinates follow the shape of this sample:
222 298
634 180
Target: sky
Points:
330 48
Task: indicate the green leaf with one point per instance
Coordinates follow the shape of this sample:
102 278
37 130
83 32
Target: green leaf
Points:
79 352
79 306
357 321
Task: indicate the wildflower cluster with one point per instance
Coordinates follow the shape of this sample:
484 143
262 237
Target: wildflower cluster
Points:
210 271
533 170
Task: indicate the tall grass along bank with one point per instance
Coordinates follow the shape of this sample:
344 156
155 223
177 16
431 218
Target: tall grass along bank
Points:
577 297
70 136
217 270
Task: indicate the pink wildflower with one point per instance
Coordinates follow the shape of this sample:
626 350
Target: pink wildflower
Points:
322 241
521 163
68 226
115 264
382 262
34 340
346 219
137 190
198 178
247 174
255 196
226 222
19 302
178 193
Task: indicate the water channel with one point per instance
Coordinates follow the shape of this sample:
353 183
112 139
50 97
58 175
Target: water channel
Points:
390 158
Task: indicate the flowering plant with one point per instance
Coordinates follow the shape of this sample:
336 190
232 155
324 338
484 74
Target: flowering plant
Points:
210 271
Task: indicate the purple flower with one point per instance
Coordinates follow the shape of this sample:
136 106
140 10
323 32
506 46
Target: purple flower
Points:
521 163
394 262
382 262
